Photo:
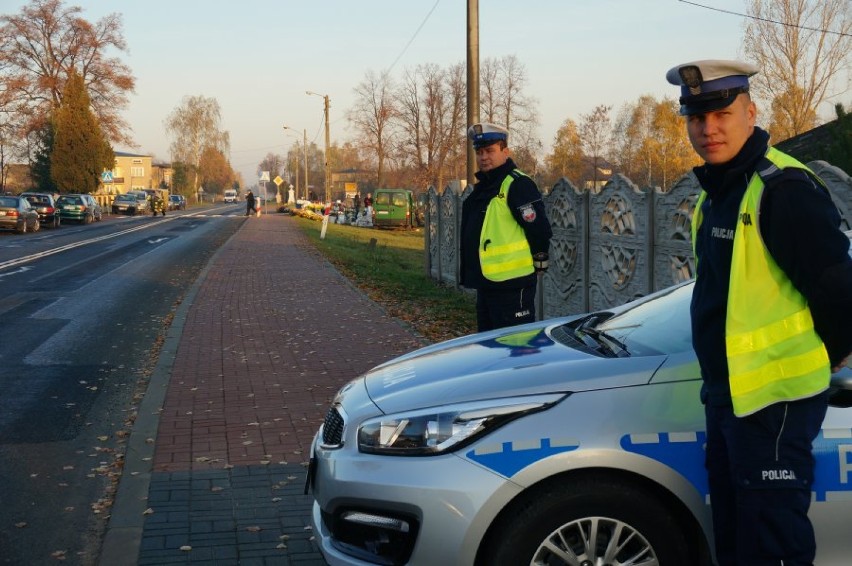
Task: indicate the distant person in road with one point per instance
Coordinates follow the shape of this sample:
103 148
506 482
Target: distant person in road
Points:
505 234
770 317
250 203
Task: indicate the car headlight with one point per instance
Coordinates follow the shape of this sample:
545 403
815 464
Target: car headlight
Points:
428 432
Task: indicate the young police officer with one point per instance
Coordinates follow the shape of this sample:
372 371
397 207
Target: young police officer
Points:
505 234
770 313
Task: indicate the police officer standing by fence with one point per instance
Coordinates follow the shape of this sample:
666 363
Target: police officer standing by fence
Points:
505 234
770 318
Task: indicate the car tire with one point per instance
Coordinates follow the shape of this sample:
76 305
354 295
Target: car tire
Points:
555 523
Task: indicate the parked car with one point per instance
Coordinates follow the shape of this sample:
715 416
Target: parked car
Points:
125 204
79 208
45 205
96 207
576 440
17 214
143 205
177 202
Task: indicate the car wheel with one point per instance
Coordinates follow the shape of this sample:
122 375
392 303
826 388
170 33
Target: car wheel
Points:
590 522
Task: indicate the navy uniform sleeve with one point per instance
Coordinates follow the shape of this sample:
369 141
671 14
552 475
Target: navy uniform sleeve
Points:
527 207
800 225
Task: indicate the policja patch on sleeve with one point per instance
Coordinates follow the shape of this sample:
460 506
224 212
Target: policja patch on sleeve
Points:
528 213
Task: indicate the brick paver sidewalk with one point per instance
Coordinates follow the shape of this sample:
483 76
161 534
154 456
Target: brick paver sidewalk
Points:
269 335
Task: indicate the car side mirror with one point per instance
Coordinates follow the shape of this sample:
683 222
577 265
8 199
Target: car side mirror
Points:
840 389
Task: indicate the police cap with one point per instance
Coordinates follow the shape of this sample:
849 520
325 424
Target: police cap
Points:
484 134
711 84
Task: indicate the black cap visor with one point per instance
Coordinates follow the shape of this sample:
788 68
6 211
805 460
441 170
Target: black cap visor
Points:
709 101
485 143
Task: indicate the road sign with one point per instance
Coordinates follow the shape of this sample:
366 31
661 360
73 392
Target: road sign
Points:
278 180
106 176
264 176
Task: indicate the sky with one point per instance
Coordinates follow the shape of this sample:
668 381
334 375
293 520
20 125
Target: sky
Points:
258 58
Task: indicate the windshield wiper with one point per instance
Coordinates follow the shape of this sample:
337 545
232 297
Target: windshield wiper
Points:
603 342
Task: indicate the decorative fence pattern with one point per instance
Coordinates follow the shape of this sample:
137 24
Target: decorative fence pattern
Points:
609 247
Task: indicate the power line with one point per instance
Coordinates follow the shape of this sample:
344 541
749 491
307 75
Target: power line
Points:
840 33
410 41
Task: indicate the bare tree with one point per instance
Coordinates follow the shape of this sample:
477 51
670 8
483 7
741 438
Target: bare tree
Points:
40 46
802 46
503 101
196 127
371 116
454 165
595 134
273 163
430 109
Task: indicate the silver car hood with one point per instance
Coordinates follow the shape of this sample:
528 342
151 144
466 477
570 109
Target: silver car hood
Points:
521 360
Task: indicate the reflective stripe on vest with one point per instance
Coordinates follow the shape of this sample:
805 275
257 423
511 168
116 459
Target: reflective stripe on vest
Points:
504 252
774 353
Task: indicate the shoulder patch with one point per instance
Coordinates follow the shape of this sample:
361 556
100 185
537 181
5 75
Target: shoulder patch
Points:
528 213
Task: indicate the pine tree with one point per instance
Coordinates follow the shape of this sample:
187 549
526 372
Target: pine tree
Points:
80 149
40 164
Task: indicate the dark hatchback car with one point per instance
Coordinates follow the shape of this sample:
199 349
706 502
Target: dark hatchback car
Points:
45 205
17 214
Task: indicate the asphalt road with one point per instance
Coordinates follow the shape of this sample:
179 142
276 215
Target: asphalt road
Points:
83 310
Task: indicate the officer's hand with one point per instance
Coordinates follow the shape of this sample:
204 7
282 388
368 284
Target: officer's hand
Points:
540 261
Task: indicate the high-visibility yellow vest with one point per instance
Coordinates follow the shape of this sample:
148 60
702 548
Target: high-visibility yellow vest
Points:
774 353
504 252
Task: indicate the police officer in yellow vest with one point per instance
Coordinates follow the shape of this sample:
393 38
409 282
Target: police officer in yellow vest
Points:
770 317
505 234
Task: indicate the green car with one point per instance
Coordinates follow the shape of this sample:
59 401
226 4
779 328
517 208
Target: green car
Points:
80 208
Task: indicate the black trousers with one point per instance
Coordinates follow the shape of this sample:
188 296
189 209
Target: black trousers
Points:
761 469
498 308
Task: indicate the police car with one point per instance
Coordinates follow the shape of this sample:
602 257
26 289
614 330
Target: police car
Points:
577 440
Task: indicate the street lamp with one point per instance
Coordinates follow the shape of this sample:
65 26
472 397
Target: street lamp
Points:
327 144
305 134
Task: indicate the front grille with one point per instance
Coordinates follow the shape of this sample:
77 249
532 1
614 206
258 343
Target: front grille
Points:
332 428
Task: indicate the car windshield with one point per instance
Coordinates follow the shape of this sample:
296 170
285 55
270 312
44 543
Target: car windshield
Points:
125 198
36 199
8 202
70 200
657 326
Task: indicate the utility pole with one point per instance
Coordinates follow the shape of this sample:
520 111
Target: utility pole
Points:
305 148
327 149
326 105
472 82
307 186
